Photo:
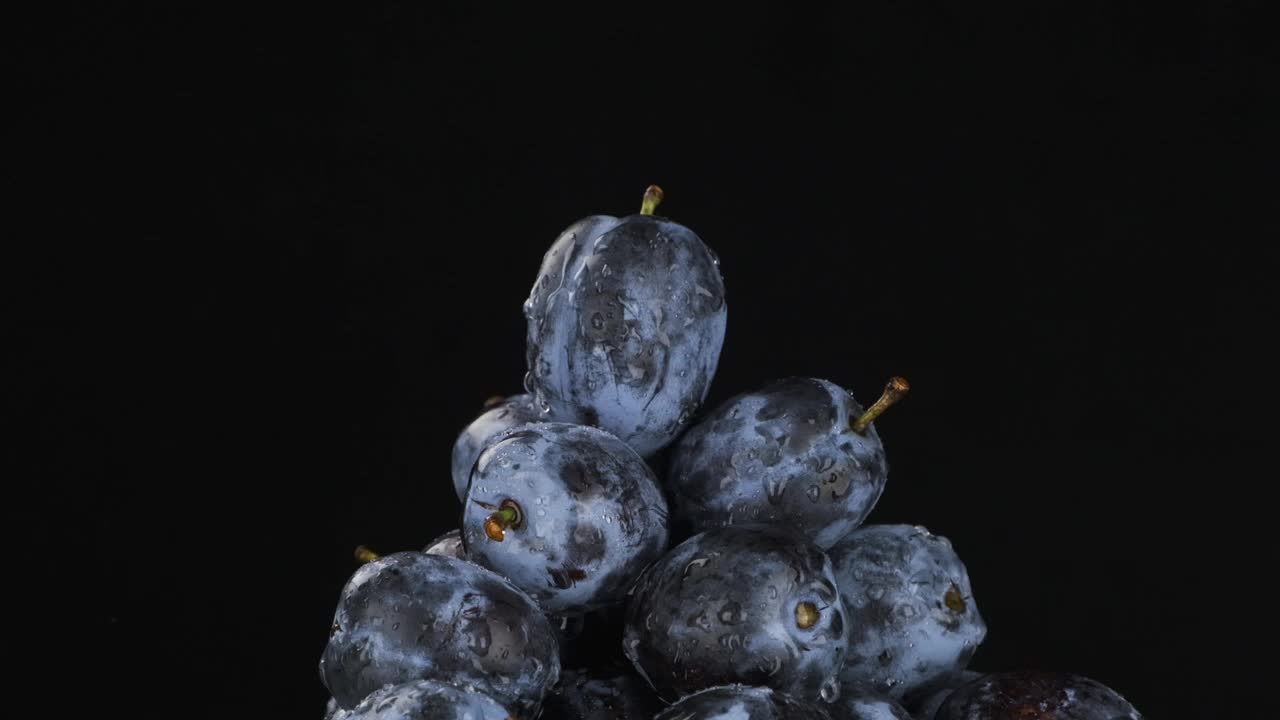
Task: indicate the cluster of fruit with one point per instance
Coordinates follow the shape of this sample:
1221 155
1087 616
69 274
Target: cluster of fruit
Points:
742 585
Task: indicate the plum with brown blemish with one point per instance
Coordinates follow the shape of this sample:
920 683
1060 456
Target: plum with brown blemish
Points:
912 617
799 452
625 324
569 513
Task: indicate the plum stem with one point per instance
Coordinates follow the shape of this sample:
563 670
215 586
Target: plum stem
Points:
494 401
507 516
893 392
652 196
807 615
365 555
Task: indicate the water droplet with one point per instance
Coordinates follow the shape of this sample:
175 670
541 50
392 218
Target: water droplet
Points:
605 271
830 691
597 321
774 488
813 493
395 626
528 382
697 562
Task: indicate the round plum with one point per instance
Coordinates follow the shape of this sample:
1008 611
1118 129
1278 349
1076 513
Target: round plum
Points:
799 452
911 610
747 604
568 512
412 616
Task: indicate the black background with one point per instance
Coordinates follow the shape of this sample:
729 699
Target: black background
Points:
277 262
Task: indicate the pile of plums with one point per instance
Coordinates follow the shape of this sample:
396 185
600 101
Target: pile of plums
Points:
734 579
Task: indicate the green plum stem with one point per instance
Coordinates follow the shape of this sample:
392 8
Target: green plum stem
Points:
365 555
652 196
507 516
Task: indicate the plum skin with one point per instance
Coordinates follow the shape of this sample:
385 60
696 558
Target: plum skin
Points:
625 324
784 454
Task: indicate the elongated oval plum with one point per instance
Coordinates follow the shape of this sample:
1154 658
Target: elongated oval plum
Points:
413 616
625 325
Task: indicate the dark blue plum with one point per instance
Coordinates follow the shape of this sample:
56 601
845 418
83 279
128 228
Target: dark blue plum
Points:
448 544
569 513
787 454
749 604
428 700
625 325
600 694
584 638
1031 695
924 703
499 416
912 617
412 616
741 702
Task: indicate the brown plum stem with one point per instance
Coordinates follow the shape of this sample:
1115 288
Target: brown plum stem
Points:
893 392
506 517
365 555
